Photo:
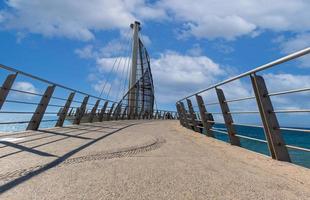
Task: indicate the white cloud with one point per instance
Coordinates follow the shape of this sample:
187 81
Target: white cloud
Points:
75 19
230 19
284 82
24 86
296 43
176 75
116 64
201 18
196 50
87 52
223 48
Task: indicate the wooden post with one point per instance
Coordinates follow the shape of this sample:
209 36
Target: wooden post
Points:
180 114
184 114
140 114
41 108
234 140
117 111
156 115
64 110
204 117
102 111
124 112
80 112
110 112
272 131
192 115
93 112
6 86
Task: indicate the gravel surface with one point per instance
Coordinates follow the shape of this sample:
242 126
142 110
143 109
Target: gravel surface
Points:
140 160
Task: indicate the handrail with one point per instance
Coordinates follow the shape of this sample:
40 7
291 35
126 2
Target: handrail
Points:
50 82
88 110
257 69
265 110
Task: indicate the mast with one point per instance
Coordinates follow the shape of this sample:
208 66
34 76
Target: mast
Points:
132 104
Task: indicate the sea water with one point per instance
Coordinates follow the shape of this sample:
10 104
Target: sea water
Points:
295 138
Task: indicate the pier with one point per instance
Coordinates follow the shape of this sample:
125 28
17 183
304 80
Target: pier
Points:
72 144
141 160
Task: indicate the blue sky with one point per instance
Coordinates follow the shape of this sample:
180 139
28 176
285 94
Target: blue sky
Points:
192 43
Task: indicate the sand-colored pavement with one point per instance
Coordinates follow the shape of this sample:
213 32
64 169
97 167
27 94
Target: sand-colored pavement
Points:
140 160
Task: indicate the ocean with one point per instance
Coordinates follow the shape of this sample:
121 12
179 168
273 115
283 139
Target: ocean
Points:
295 138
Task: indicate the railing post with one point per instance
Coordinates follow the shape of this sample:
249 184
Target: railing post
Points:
180 114
124 112
140 114
80 112
41 108
102 111
64 111
93 112
110 112
156 115
6 86
272 131
184 114
204 117
117 111
234 140
192 114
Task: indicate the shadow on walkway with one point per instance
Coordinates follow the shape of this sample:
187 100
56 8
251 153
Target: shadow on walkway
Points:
56 162
23 148
50 142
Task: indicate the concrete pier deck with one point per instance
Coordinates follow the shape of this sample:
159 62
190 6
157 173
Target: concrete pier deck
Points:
140 160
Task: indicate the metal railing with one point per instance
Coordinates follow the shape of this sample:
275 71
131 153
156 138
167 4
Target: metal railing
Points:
274 139
67 105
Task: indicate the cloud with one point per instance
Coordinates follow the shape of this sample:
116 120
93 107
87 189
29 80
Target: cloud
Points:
176 75
296 43
202 18
116 64
230 19
196 50
24 86
75 19
86 52
223 48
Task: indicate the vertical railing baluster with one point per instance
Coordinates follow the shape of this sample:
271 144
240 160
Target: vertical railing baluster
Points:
180 114
234 140
186 122
192 115
159 115
117 111
93 112
205 119
110 112
140 114
64 111
6 86
41 108
124 113
271 125
80 112
102 111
